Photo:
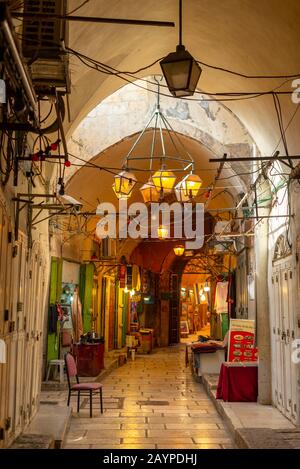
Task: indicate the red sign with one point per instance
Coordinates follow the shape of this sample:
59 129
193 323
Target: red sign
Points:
241 347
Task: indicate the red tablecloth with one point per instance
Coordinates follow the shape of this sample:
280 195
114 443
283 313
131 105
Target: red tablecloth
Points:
238 383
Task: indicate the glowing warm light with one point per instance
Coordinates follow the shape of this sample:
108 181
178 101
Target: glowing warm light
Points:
162 232
124 184
132 292
188 187
206 287
203 297
149 192
179 250
164 180
126 290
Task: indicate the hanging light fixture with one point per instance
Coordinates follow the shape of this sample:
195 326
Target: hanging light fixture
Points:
206 287
124 184
164 181
149 192
180 69
179 250
162 232
188 188
162 178
203 297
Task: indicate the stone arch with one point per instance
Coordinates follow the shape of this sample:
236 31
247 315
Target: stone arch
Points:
126 112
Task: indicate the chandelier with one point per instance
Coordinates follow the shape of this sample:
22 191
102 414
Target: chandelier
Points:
162 179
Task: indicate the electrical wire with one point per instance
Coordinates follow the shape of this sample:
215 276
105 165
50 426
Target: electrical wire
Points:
102 68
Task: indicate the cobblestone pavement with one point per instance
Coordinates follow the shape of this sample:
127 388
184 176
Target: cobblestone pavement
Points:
150 403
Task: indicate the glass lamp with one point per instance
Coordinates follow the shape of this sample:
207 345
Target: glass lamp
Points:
164 180
149 192
162 232
188 187
181 72
179 250
124 184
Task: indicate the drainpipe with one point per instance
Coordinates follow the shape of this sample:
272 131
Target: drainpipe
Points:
263 333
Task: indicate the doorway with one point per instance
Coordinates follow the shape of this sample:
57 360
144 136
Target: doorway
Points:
285 391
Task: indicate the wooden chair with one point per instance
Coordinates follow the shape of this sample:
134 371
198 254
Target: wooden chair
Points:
82 389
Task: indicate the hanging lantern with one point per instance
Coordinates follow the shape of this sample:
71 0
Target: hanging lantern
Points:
164 180
188 187
181 72
179 250
149 192
180 196
206 287
162 232
180 69
124 184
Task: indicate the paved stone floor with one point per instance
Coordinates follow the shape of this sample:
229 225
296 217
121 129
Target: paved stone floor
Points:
151 403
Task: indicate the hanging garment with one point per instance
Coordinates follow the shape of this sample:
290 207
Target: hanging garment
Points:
76 309
221 305
2 351
136 278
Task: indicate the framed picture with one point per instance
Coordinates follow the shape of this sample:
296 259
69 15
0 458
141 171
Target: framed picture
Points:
184 328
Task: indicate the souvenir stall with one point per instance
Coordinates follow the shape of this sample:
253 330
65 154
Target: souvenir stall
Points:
194 308
238 378
140 287
70 319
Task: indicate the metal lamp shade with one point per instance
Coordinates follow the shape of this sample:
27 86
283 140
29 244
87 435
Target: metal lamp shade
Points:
149 192
124 184
181 72
179 250
164 180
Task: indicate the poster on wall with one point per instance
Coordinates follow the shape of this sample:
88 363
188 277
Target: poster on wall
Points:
241 345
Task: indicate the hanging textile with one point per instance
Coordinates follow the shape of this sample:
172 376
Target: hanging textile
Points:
221 305
76 310
136 278
2 351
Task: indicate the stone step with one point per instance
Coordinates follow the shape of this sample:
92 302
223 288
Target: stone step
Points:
33 441
51 420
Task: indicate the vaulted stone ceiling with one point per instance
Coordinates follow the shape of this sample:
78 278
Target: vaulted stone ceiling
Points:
254 37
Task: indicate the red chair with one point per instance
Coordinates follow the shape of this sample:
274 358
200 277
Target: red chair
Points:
82 389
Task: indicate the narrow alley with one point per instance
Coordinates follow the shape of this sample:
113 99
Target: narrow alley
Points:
151 403
149 226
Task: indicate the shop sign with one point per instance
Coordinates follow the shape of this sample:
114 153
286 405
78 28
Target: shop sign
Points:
241 346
